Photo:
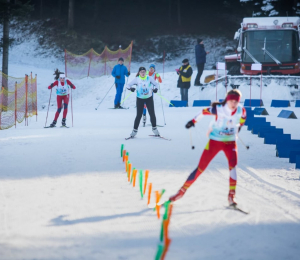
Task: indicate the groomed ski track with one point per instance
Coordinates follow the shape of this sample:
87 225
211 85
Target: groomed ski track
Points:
65 196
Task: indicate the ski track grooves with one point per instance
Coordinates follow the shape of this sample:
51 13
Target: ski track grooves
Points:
265 187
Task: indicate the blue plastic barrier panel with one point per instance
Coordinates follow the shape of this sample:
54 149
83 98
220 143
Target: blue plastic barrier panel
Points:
253 103
297 162
201 103
293 155
260 111
297 104
287 114
255 128
291 143
280 103
263 132
178 103
284 151
273 138
256 121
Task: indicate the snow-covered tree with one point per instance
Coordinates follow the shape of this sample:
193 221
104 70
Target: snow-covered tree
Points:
273 7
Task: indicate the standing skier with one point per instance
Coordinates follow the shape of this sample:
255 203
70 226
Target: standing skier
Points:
144 92
119 72
62 91
155 76
229 116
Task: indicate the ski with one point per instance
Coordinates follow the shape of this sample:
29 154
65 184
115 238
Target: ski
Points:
161 203
130 137
161 137
64 126
237 209
156 125
119 108
49 126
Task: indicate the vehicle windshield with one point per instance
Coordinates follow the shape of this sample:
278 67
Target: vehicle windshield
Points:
282 44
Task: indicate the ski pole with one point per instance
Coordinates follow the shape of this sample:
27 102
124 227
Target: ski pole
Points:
191 140
165 99
48 107
72 105
125 90
162 105
246 146
104 96
126 97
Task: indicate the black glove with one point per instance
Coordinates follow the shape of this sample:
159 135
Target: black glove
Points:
118 77
132 89
155 90
189 124
72 86
128 73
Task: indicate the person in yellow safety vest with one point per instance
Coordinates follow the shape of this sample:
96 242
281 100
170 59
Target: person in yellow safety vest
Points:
151 73
184 81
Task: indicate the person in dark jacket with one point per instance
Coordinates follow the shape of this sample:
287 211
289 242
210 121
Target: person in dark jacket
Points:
200 60
119 72
184 81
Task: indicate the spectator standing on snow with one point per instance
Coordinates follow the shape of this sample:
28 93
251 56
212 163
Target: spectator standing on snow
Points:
200 60
62 91
184 81
145 87
119 72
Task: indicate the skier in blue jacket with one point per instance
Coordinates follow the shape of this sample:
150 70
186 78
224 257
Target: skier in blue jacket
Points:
119 72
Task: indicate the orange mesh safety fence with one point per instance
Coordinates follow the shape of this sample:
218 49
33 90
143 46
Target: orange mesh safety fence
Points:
18 100
93 64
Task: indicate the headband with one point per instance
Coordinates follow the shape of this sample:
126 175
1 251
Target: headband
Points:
233 97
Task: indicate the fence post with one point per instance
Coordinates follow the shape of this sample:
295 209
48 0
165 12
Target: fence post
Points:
90 61
217 79
105 58
260 86
35 88
26 91
250 89
66 62
31 91
164 64
130 54
16 105
226 77
1 107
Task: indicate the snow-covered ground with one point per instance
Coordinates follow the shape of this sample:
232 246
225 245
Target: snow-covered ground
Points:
64 193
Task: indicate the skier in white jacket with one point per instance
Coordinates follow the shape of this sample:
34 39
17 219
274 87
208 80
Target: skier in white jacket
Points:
145 86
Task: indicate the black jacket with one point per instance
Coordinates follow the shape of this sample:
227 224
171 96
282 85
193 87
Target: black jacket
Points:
200 54
186 74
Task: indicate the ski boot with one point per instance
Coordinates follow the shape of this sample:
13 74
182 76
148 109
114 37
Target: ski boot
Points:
133 133
117 106
63 122
144 120
53 124
155 131
178 195
231 199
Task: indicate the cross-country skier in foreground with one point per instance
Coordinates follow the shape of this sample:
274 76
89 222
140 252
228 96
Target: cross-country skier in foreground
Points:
230 116
63 87
155 76
144 94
